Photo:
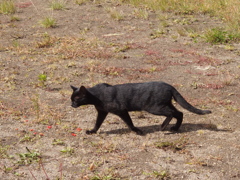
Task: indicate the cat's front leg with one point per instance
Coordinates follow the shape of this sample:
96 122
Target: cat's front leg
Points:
100 118
127 119
91 131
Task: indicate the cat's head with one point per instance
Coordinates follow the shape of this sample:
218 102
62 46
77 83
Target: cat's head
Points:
79 96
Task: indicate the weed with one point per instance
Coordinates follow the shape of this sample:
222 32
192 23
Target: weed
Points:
7 169
7 7
196 161
115 14
15 43
29 157
36 105
3 151
163 175
68 150
124 48
46 42
48 22
141 13
174 146
157 33
216 36
58 142
57 4
42 78
14 18
220 36
80 2
26 138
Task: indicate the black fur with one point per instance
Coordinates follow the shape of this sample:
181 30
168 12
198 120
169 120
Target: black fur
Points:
153 97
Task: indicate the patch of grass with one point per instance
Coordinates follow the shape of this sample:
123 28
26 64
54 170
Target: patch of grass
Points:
29 157
3 151
58 142
157 33
7 7
229 10
67 150
47 41
58 4
36 105
216 36
163 175
141 13
42 78
174 146
27 138
14 18
80 2
115 14
196 161
48 22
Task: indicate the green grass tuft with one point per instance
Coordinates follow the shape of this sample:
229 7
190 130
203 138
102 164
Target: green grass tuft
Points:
48 22
58 5
7 7
220 36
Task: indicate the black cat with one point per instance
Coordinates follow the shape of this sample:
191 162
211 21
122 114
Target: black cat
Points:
153 97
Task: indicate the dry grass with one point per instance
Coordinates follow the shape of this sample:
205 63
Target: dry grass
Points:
7 7
227 10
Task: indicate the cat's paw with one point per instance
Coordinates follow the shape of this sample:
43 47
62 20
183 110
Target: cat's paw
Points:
91 132
138 131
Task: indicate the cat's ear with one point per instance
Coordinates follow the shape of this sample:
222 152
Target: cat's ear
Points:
82 90
73 88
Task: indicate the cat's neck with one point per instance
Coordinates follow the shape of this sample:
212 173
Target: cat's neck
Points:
93 99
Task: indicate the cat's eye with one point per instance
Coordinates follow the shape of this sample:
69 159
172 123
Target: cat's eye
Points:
76 98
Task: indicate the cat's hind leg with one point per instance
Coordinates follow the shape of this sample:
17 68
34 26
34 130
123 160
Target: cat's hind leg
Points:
127 119
169 111
179 116
100 118
166 122
174 113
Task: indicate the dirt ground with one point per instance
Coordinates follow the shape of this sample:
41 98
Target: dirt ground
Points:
42 137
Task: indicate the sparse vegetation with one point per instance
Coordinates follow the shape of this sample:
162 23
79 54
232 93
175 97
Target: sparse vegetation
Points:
68 150
80 2
7 7
174 146
219 36
29 157
141 13
3 151
115 14
227 10
48 22
112 42
58 4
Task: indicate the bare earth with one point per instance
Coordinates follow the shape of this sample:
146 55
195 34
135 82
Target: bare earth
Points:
42 137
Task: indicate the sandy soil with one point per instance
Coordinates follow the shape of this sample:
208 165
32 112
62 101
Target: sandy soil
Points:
42 137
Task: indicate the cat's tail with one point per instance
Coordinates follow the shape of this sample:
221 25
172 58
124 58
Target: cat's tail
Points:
180 100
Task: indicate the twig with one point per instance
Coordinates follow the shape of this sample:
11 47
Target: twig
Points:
60 170
32 173
40 162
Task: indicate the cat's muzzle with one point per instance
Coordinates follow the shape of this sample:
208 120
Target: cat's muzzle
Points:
74 105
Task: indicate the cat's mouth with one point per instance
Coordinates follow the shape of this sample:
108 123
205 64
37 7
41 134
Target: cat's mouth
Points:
74 106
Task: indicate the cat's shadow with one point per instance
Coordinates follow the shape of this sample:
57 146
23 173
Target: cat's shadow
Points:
187 127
